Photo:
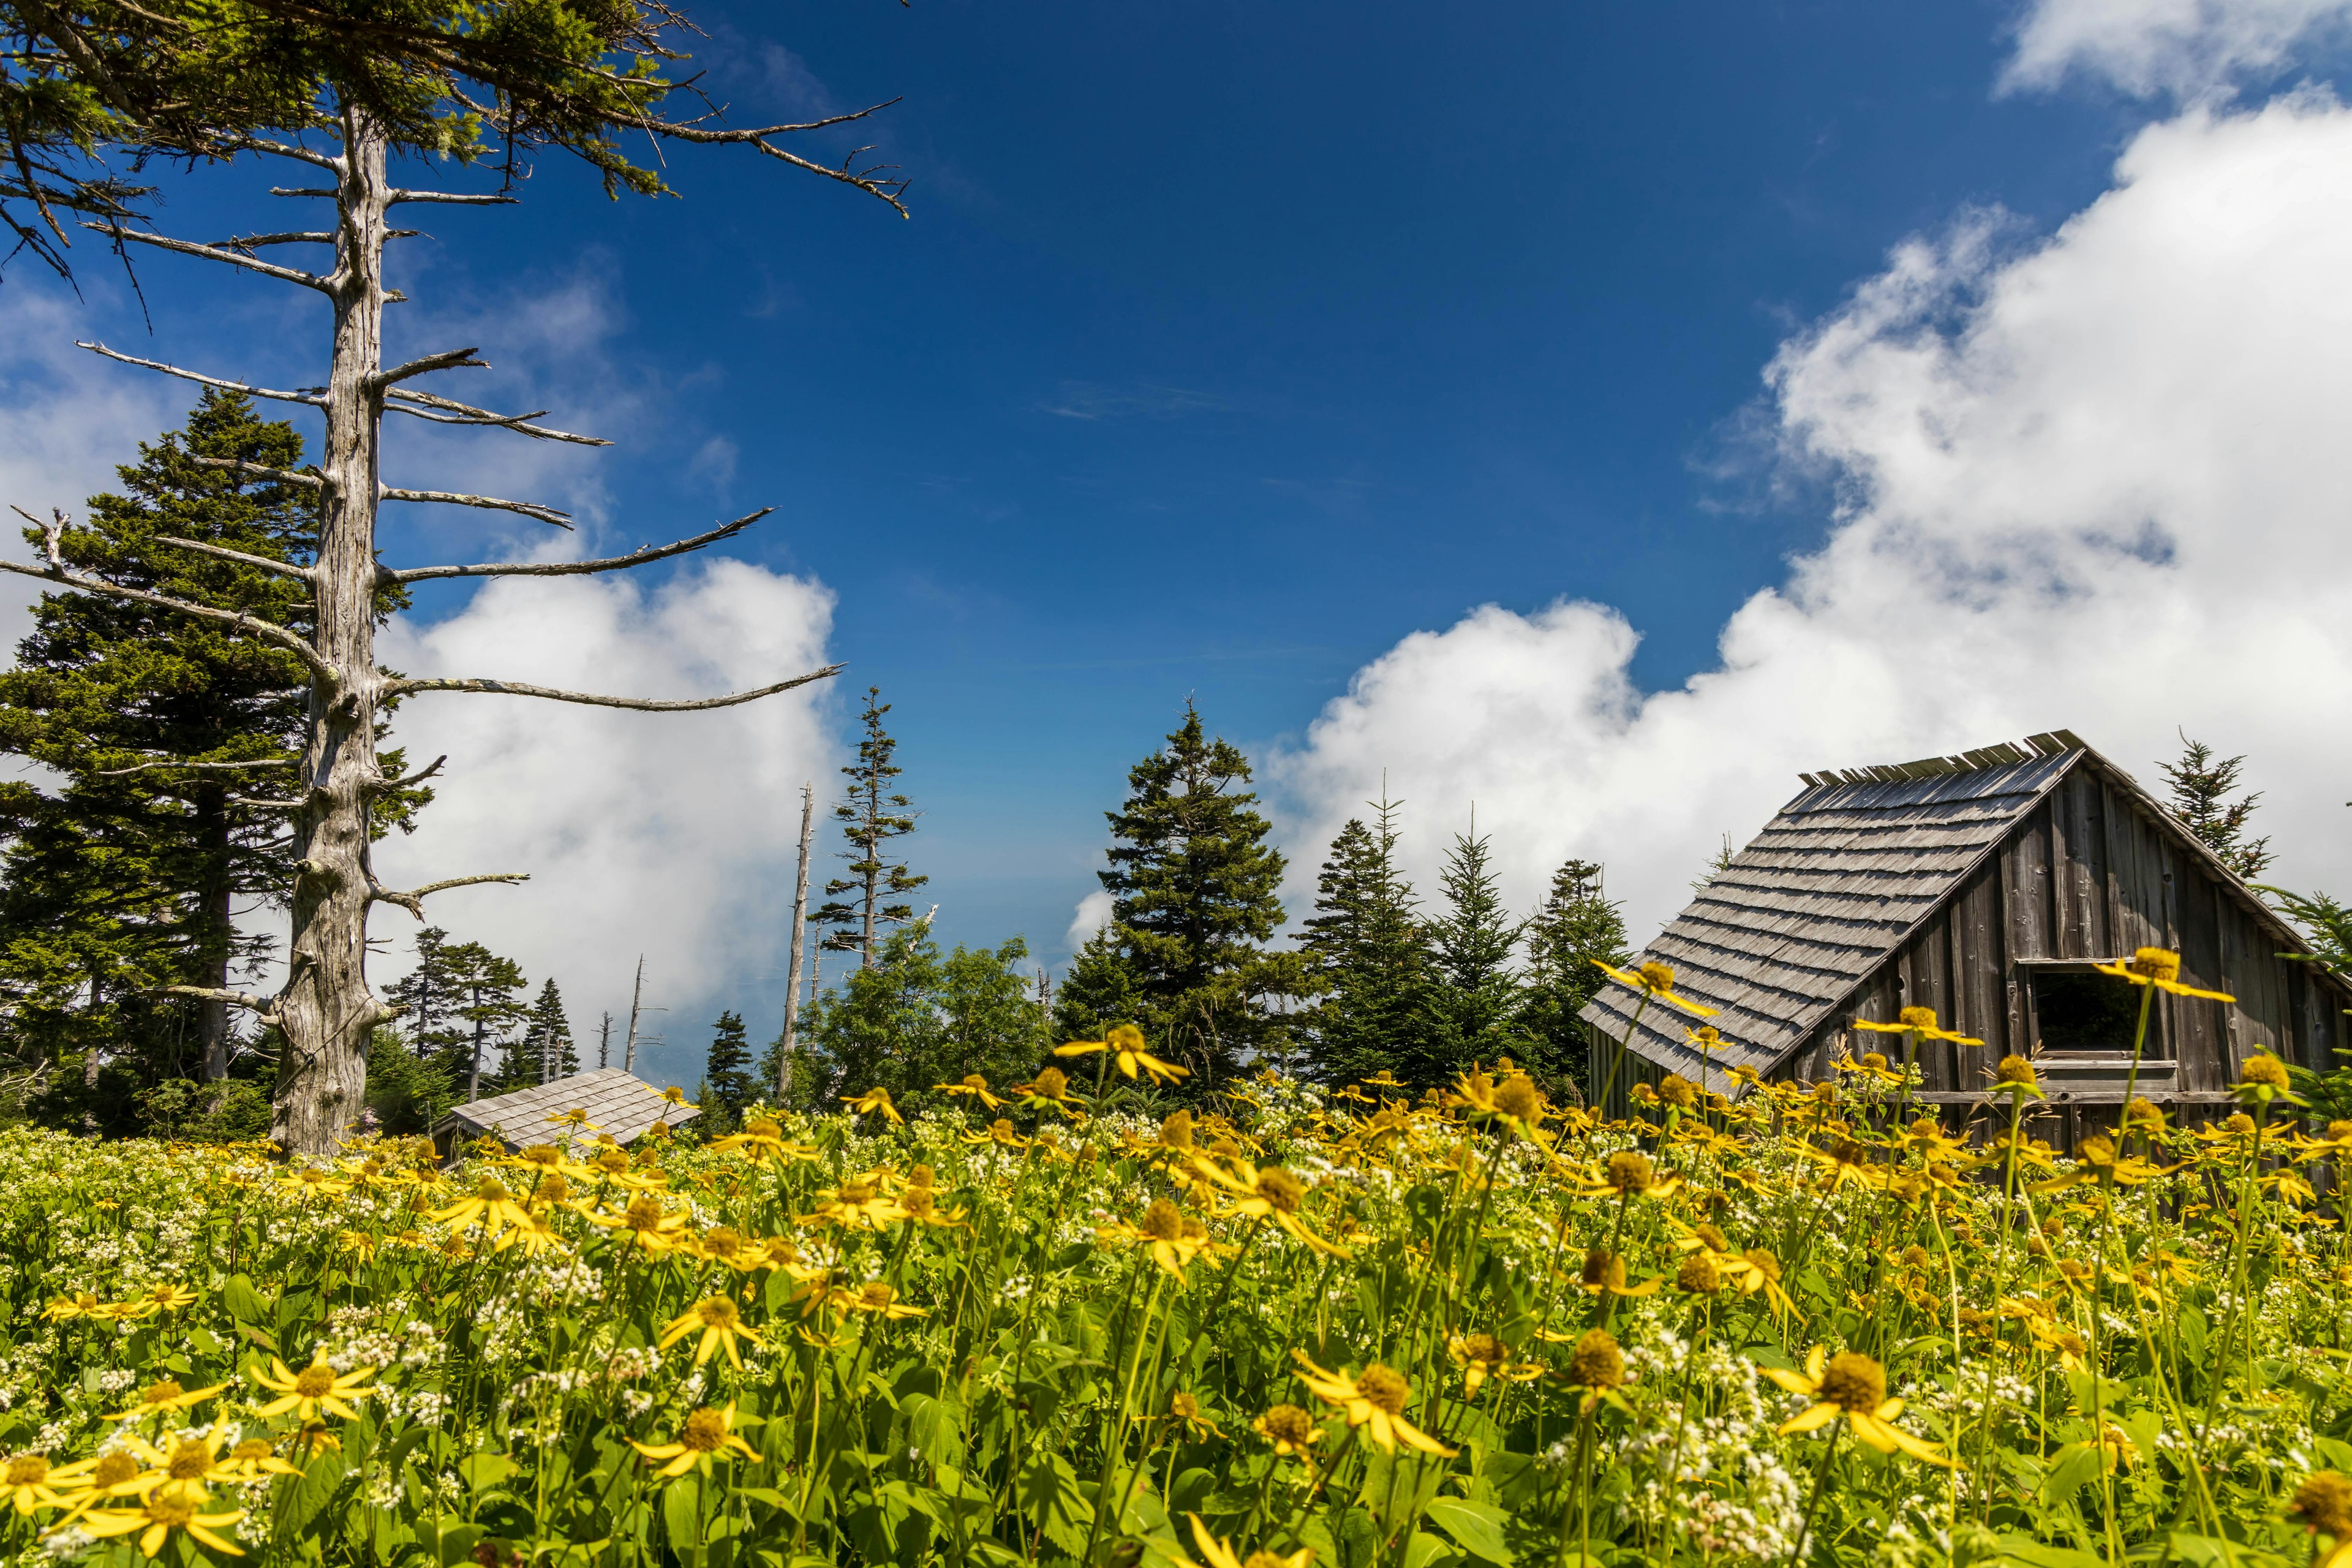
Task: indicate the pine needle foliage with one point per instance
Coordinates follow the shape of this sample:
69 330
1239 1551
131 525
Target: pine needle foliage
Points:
2202 785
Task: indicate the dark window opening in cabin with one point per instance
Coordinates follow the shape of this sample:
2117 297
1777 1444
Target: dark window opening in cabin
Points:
2085 1012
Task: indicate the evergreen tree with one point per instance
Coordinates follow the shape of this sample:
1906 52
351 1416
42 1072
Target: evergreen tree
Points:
1370 958
873 815
466 1014
727 1085
1577 924
427 997
543 1051
2201 787
122 878
1475 1003
1195 890
917 1019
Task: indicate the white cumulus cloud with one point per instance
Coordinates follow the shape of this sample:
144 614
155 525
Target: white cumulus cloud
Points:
2183 47
2095 482
670 835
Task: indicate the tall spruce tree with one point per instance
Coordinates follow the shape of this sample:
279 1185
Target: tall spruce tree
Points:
727 1083
542 1051
1578 924
427 997
873 816
169 739
1370 958
468 1017
1194 892
2202 785
1475 1003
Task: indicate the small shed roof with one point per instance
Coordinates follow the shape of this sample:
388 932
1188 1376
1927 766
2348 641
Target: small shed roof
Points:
1827 892
619 1104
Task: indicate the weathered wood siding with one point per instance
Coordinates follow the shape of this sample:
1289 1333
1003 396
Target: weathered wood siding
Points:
2091 873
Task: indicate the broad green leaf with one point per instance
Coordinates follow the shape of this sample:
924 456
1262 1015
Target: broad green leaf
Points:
485 1470
1477 1527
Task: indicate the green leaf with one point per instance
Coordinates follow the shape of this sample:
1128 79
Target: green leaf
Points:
243 1302
1049 1497
681 1502
310 1495
483 1471
1477 1527
1426 1551
456 1544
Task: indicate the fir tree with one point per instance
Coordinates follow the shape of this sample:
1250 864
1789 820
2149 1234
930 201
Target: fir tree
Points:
543 1051
917 1019
873 815
1370 957
125 876
1475 1001
428 996
1578 924
465 1014
2201 787
1194 893
727 1083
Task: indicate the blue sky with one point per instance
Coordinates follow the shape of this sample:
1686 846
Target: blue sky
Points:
1243 353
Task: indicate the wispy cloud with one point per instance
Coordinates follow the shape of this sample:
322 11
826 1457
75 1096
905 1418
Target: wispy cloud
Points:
1090 400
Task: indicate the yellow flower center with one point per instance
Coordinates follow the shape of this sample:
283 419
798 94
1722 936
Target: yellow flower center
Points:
2015 1069
1875 1060
1656 976
720 1312
1699 1275
170 1511
611 1162
490 1190
1124 1037
1596 1362
1183 1405
644 1214
704 1432
28 1470
1053 1083
975 1082
2339 1132
251 1450
761 1127
1176 1132
546 1154
1001 1131
163 1393
1764 1263
1713 1238
553 1189
1854 1383
1676 1090
1519 1097
1917 1017
1629 1171
1288 1424
2325 1501
315 1382
2156 962
2266 1071
1602 1267
919 1202
1280 1188
113 1471
722 1238
1484 1348
877 1295
921 1176
2240 1123
1383 1389
1162 1221
189 1461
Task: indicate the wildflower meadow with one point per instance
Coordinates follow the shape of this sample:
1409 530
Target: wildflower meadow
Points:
1290 1325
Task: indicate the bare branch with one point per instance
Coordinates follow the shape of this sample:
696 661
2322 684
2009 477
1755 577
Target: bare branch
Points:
282 191
450 360
190 248
283 476
454 497
263 1007
448 198
315 400
252 241
206 767
385 786
866 180
58 572
288 150
258 562
413 902
397 401
575 568
264 803
637 704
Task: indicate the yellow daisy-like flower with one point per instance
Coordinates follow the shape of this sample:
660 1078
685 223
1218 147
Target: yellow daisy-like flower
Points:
652 1227
1163 1228
1268 1192
765 1138
1220 1555
159 1516
1628 1174
29 1482
1375 1400
722 1323
1919 1021
489 1202
165 1394
2159 967
317 1387
119 1473
1656 981
876 1299
80 1304
1290 1430
707 1435
973 1084
875 1098
1124 1041
1482 1356
165 1298
1853 1387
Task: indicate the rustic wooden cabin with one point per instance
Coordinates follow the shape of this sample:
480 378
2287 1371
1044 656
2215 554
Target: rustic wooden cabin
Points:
620 1105
1984 885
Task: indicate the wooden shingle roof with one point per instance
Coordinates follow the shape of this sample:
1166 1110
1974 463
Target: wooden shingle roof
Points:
1822 896
619 1105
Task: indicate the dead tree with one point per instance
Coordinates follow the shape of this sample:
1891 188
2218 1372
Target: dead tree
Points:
325 1008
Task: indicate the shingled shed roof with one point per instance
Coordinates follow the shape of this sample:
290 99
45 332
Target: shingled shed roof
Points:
619 1104
1823 895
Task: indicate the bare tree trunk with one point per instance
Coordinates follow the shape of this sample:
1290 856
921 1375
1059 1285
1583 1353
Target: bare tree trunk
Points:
219 935
326 1010
604 1043
800 941
636 997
